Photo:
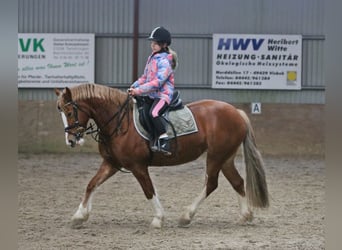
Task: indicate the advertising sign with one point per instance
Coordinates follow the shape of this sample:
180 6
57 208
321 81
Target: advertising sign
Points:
242 61
55 60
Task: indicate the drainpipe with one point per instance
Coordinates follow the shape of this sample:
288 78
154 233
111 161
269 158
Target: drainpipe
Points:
135 40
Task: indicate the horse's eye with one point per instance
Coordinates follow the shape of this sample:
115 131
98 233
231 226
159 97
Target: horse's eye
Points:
69 114
59 108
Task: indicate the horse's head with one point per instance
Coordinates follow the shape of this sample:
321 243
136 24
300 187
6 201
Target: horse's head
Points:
75 122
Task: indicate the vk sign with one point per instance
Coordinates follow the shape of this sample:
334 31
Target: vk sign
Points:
239 43
31 45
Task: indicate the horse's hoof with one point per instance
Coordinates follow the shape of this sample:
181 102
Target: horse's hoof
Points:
157 223
77 220
77 223
247 217
184 222
186 218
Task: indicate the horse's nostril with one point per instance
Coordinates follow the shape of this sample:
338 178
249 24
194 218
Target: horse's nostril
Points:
72 143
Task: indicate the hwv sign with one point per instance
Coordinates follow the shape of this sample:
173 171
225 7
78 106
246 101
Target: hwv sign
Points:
256 61
239 43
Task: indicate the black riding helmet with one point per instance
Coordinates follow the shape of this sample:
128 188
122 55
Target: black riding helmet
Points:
160 35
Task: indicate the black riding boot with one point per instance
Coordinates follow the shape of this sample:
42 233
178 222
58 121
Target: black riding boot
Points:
162 144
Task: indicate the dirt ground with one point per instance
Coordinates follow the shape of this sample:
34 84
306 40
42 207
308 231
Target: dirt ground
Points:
50 188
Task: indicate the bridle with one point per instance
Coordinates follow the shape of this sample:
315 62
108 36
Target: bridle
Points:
80 129
99 137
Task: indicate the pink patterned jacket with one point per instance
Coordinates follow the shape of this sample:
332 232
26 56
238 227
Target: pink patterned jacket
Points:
158 78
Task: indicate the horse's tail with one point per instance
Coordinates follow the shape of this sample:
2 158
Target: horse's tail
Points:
256 186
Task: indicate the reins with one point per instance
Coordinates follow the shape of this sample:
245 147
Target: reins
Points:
120 115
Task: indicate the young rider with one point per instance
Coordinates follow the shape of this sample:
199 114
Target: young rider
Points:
157 82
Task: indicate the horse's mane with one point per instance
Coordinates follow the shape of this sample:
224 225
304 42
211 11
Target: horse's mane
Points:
92 90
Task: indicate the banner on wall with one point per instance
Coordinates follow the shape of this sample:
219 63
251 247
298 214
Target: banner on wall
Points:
242 61
55 60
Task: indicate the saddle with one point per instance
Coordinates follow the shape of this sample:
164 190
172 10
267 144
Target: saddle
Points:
144 103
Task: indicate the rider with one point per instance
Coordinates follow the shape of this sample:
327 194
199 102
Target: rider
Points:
157 82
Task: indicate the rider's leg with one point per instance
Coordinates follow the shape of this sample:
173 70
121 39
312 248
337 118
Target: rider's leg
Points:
157 109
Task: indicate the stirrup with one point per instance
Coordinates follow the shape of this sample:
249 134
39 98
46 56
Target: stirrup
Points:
162 145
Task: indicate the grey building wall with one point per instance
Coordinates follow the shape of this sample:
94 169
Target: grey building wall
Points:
192 23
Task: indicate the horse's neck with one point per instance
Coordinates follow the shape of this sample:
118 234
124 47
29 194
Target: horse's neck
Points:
105 114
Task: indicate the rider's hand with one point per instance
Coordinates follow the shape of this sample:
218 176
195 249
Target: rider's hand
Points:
132 92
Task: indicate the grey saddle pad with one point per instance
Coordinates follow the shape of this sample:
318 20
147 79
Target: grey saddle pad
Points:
182 120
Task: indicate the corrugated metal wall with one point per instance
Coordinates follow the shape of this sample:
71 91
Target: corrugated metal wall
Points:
191 22
113 60
75 16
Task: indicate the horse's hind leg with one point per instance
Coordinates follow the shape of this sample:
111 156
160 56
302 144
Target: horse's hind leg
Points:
82 214
233 176
211 183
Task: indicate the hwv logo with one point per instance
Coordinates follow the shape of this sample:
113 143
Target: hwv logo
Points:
239 44
34 43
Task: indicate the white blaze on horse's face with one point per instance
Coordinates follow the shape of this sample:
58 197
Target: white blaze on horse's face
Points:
64 119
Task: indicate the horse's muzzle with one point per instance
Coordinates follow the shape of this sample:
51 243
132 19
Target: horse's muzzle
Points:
75 141
72 140
72 143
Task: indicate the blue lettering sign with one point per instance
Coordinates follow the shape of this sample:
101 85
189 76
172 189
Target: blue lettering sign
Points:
239 44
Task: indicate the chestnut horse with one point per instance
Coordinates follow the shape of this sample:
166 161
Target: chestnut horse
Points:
221 130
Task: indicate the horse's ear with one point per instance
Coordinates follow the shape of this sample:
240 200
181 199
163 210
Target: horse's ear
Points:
67 95
57 92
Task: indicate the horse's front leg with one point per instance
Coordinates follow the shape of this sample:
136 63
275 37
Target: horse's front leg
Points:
82 214
143 177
